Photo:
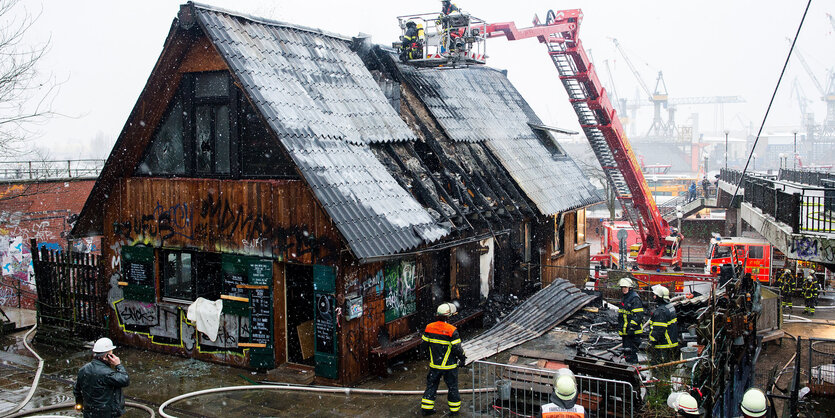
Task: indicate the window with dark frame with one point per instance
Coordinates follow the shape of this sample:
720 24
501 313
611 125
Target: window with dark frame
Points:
188 275
210 130
559 234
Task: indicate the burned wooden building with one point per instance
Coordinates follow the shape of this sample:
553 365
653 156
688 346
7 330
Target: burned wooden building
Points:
309 183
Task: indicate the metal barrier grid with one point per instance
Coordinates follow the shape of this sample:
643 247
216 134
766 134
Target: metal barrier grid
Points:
520 391
821 366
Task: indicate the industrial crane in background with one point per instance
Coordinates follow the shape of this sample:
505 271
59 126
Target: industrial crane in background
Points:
806 118
827 93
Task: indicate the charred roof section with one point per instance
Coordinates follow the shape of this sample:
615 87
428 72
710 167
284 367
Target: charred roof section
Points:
480 105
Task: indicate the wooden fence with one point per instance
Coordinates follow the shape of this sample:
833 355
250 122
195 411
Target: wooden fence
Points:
71 292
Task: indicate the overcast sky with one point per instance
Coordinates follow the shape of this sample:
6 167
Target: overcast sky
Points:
103 52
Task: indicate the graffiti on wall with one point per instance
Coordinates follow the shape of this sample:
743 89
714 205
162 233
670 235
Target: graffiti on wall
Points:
167 325
400 283
18 282
218 217
812 249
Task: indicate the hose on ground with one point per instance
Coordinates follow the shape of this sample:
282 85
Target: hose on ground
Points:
67 405
34 382
298 388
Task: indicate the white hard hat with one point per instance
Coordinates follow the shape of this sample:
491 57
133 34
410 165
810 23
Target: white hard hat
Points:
754 403
565 387
446 309
624 282
103 345
658 290
688 404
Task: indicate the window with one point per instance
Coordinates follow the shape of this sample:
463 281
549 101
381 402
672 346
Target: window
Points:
559 234
526 242
580 236
721 251
210 130
189 275
755 251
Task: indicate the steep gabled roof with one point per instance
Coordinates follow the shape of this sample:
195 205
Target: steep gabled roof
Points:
479 104
322 103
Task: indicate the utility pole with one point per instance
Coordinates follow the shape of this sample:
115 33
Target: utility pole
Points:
794 160
726 150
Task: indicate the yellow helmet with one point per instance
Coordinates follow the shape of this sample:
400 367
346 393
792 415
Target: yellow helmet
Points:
754 403
688 404
565 387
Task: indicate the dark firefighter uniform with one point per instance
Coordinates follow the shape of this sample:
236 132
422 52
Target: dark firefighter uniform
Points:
444 354
630 328
411 46
787 290
785 282
448 7
663 333
810 295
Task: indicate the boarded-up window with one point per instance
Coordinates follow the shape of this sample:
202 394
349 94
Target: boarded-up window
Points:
187 276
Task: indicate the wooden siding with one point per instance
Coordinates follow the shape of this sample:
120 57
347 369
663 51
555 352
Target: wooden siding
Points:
573 263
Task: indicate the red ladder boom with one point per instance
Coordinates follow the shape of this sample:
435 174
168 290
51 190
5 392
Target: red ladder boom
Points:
660 243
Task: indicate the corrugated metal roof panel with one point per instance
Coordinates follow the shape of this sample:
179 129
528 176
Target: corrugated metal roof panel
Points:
324 105
480 104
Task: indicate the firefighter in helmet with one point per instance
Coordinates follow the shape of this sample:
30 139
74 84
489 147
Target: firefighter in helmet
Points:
445 355
411 46
663 331
630 320
810 294
563 402
786 282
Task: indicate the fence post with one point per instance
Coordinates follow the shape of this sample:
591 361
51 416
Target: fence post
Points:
795 382
797 207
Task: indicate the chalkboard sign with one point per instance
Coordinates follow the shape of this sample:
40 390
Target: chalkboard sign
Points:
138 266
260 301
235 270
325 323
260 272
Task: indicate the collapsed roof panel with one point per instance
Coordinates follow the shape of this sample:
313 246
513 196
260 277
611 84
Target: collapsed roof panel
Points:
326 108
479 104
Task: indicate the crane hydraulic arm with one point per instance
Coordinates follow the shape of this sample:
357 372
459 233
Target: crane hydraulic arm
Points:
660 244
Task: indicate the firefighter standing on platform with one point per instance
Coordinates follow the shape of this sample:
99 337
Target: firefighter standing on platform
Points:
810 294
785 282
630 320
663 331
412 44
445 355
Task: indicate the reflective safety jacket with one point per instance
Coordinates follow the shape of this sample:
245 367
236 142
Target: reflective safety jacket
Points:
551 410
630 314
444 345
663 331
810 290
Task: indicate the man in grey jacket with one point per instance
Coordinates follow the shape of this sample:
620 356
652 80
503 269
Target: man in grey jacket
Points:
98 389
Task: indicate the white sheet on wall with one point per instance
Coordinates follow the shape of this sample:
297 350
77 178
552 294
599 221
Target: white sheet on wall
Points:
206 316
485 270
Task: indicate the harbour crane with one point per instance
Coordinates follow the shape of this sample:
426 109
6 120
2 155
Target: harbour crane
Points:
827 93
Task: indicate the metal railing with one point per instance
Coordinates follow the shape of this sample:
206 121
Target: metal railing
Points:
821 366
521 391
50 169
810 177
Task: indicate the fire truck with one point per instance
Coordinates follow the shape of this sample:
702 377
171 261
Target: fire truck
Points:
757 256
460 41
610 254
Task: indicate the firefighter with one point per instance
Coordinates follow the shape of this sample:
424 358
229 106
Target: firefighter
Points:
448 8
630 320
787 288
754 403
810 294
411 45
685 405
663 331
563 402
444 351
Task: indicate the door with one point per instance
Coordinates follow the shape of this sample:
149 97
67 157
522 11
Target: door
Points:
300 304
